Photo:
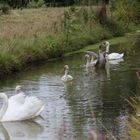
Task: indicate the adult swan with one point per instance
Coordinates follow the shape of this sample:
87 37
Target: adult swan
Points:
19 110
112 56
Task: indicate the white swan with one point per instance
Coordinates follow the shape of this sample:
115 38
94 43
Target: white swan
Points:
112 56
15 110
66 77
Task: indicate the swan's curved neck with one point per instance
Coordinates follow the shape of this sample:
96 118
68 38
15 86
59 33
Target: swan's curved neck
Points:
4 106
101 60
107 48
88 62
92 59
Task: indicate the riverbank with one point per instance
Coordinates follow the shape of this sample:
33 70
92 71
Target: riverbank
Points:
113 41
34 35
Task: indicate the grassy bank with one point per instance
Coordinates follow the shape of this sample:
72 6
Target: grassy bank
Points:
31 35
134 121
113 41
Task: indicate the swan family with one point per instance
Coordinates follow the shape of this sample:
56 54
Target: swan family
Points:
102 57
20 107
96 60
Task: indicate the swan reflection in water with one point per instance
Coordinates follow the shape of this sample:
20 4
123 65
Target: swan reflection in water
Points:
23 130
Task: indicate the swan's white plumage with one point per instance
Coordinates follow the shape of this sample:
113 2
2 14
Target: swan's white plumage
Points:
39 112
114 56
28 110
17 99
21 107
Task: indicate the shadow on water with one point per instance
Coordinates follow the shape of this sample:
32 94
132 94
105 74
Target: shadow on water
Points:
93 100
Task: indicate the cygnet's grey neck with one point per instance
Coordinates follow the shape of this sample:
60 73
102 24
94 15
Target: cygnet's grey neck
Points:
88 62
66 72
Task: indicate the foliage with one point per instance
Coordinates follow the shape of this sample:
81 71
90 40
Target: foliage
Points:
114 27
17 3
4 7
127 11
81 28
36 4
69 29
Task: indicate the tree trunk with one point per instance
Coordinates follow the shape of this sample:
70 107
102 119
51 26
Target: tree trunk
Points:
101 13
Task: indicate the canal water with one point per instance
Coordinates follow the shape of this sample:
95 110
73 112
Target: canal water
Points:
93 101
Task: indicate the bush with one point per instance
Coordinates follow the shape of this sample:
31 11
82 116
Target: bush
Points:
115 28
5 9
36 4
127 11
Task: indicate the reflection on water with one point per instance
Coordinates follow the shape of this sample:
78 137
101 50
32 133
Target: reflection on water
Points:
20 130
92 101
116 61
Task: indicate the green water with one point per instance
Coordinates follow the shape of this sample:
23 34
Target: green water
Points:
93 101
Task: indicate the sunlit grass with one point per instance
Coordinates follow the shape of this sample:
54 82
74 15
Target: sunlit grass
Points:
134 128
28 22
30 35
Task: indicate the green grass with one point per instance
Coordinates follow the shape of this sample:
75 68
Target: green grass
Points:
113 41
134 128
32 35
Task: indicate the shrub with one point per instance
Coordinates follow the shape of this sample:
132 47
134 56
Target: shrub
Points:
114 27
36 4
5 9
127 11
